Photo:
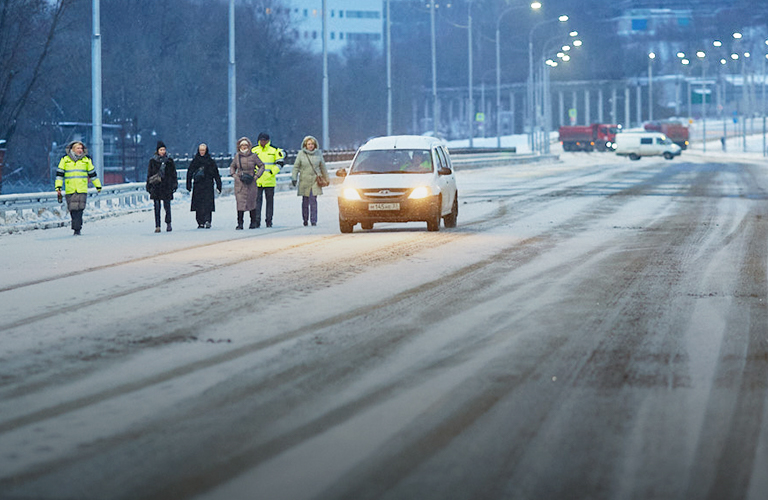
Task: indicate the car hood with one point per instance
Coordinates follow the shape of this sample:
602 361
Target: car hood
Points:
397 181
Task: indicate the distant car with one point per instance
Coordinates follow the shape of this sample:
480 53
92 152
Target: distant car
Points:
400 178
638 144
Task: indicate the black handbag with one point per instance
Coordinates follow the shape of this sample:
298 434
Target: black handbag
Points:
245 177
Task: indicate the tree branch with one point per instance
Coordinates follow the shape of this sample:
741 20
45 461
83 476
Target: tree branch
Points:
10 126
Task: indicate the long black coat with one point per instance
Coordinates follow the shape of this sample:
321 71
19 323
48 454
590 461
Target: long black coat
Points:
202 189
164 189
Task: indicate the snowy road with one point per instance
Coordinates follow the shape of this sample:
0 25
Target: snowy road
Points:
594 328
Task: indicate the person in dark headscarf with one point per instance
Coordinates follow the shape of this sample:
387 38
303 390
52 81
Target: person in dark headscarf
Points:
201 175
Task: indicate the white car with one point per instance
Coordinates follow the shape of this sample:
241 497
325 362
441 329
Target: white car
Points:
399 178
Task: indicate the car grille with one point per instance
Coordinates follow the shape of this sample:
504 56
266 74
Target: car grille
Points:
383 195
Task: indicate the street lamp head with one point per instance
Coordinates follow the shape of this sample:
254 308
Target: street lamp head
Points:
576 33
717 43
562 19
735 56
652 55
701 54
577 43
747 54
681 54
723 61
566 58
566 48
686 62
737 35
535 5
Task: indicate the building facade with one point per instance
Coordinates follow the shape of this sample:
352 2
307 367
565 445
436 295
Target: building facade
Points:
349 22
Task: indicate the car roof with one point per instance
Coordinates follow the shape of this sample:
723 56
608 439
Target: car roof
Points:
401 142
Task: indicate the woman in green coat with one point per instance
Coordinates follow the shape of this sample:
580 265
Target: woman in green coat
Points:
308 167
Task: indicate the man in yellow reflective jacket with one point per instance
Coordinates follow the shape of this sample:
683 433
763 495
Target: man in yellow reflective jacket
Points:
273 159
74 171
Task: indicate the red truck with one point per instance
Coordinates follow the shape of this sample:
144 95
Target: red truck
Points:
675 131
598 136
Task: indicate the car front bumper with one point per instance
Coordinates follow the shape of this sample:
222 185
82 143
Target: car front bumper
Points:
354 211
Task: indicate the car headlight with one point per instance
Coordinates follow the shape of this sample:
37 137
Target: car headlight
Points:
419 193
351 194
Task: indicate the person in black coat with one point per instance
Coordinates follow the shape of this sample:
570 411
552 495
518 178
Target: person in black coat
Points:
201 175
162 182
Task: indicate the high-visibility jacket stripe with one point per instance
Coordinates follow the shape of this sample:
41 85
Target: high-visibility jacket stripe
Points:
73 176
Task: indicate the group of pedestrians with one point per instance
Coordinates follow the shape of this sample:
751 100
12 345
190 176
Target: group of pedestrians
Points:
254 169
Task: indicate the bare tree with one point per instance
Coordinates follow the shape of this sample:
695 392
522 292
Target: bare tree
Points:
22 59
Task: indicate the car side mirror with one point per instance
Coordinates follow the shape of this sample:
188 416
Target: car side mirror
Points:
444 171
342 172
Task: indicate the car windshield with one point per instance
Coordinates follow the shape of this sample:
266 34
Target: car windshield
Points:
392 161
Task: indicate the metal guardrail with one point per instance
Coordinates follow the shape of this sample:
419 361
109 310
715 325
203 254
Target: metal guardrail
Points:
42 210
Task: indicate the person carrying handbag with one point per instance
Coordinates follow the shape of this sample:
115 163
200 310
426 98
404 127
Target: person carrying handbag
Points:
310 172
162 182
245 168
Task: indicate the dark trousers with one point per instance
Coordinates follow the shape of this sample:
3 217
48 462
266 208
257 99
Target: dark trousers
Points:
309 208
77 219
167 206
241 216
203 216
269 194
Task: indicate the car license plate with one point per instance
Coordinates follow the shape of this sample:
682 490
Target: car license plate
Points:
383 206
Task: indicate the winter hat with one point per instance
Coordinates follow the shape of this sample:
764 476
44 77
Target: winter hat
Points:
160 144
264 136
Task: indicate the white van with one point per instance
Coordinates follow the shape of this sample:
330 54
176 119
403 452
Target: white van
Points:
638 144
399 179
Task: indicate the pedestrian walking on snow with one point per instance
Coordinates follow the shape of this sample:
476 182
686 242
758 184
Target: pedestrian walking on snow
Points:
273 159
201 176
73 173
162 182
245 168
309 169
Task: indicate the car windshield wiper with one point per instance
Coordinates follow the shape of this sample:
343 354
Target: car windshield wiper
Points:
365 172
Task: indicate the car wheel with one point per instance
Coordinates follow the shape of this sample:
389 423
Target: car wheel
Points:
668 156
345 227
366 225
433 223
634 157
450 219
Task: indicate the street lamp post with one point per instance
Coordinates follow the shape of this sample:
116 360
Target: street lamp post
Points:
531 103
702 55
651 57
470 105
232 111
96 106
534 6
326 96
545 68
389 70
434 68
